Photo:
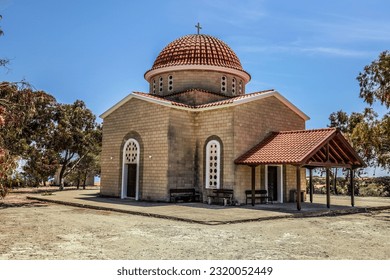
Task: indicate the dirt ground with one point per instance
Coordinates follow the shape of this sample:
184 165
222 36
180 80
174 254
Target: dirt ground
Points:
36 230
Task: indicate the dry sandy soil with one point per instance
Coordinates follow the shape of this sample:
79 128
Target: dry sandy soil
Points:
36 230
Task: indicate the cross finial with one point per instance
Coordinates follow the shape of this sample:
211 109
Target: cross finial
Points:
198 27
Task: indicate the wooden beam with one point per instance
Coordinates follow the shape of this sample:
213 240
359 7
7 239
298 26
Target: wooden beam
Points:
311 188
327 188
327 164
316 158
298 196
327 152
253 184
334 152
340 151
322 154
352 188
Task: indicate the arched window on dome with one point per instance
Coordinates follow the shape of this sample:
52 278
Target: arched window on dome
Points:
233 85
170 83
213 164
154 86
223 84
240 87
160 85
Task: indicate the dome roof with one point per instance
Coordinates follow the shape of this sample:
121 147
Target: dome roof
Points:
197 49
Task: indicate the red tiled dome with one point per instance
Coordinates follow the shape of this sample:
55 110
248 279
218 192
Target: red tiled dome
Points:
197 49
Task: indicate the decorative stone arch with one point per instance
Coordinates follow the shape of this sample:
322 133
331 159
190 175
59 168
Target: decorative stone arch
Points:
131 166
213 163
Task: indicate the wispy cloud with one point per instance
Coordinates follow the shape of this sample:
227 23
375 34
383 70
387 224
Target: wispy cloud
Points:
227 11
315 50
347 29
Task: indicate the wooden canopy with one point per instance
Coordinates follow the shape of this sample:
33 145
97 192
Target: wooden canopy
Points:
304 148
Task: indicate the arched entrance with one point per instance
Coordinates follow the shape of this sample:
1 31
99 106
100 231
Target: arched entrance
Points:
130 169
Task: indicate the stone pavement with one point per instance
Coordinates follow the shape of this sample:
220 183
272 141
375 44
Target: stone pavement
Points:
214 214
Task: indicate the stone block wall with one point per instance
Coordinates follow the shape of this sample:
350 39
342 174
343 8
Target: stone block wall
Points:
291 181
215 125
254 121
181 150
150 122
196 97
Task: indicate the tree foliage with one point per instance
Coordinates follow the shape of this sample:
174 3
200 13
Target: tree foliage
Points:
368 133
375 81
21 122
76 135
46 134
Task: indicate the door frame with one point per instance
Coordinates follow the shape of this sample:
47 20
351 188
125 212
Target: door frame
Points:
125 170
279 176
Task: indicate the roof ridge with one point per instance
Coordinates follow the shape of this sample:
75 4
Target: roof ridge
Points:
306 130
261 91
196 89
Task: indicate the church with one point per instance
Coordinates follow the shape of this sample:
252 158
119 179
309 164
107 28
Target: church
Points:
198 128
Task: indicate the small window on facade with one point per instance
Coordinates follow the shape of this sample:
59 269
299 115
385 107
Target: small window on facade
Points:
213 162
223 84
154 86
240 87
160 86
233 85
170 83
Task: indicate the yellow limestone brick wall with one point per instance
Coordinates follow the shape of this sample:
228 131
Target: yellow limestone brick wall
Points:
182 147
291 181
252 123
215 123
150 121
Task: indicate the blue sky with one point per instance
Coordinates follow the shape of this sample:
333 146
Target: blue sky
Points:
98 51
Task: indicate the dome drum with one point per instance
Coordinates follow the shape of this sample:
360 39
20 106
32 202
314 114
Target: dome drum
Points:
211 81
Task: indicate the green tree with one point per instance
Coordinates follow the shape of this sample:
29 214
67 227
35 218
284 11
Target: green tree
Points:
374 81
27 115
39 166
23 119
75 136
368 133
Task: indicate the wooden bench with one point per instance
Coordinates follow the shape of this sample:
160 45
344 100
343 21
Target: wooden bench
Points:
261 195
221 195
185 195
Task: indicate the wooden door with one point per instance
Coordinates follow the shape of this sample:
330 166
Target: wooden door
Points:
273 182
131 179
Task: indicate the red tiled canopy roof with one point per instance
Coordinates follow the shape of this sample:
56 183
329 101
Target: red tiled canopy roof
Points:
197 49
318 147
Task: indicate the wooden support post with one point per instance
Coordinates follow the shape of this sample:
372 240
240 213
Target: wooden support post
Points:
352 188
327 188
298 197
253 184
311 188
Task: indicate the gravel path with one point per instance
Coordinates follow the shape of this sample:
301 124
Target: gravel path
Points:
35 230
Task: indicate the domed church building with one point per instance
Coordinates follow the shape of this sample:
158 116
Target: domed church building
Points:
197 128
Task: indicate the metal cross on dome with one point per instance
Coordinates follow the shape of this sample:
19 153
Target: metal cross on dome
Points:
198 27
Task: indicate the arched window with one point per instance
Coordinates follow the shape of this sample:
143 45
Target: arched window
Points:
213 164
160 88
130 169
233 86
154 86
240 87
170 83
223 84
